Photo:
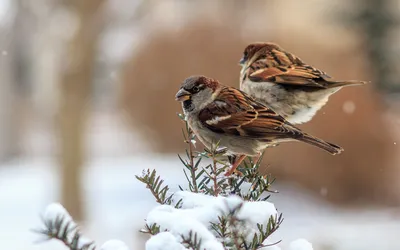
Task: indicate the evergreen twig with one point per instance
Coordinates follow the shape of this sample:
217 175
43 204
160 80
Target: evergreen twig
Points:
154 184
151 229
214 177
189 138
65 230
191 241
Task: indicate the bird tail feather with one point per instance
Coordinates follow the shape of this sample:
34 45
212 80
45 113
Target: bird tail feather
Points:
327 146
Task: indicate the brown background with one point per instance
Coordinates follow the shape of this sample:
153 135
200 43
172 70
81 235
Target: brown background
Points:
364 173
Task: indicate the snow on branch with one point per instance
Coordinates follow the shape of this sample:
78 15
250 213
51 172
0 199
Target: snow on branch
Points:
217 222
59 225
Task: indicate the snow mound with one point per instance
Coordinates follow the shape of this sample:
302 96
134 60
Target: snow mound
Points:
300 244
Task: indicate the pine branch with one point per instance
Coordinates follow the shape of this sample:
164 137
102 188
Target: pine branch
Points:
151 229
263 233
214 178
212 183
63 229
259 183
189 138
191 241
235 224
154 184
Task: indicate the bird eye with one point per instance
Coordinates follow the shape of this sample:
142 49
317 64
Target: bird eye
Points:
196 89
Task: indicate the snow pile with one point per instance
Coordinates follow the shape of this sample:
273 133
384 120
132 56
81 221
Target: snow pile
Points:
198 212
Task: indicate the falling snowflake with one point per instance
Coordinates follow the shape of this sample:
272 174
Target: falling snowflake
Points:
4 52
349 107
323 191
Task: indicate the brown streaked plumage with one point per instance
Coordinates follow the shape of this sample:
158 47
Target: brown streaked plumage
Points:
228 116
285 83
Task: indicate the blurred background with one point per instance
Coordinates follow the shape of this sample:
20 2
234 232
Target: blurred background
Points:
87 101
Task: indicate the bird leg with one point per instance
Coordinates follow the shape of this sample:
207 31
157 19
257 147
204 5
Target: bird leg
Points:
255 161
235 164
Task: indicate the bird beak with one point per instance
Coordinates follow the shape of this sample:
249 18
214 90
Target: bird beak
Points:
242 61
182 95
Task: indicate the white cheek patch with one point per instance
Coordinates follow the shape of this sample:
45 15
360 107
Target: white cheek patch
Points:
217 119
243 70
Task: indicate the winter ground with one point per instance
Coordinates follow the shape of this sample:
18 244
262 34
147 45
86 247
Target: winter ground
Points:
116 203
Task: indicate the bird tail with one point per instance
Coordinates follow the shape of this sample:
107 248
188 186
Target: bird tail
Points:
334 84
329 147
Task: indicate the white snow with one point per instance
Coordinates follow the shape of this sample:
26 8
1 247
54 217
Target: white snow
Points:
114 245
300 244
180 224
164 241
257 212
55 211
199 210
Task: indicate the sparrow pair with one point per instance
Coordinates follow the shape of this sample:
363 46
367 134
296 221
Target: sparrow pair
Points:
277 91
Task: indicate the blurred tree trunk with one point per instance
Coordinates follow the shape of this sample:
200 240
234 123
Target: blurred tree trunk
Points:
75 88
9 134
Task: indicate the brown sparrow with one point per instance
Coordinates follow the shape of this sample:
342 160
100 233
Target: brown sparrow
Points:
231 118
283 82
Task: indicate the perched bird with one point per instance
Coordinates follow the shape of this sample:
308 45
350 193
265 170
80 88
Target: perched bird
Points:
225 115
285 83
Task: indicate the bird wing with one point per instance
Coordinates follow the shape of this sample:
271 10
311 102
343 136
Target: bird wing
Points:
234 113
278 66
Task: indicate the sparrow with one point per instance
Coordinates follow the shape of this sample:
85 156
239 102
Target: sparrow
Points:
227 117
285 83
